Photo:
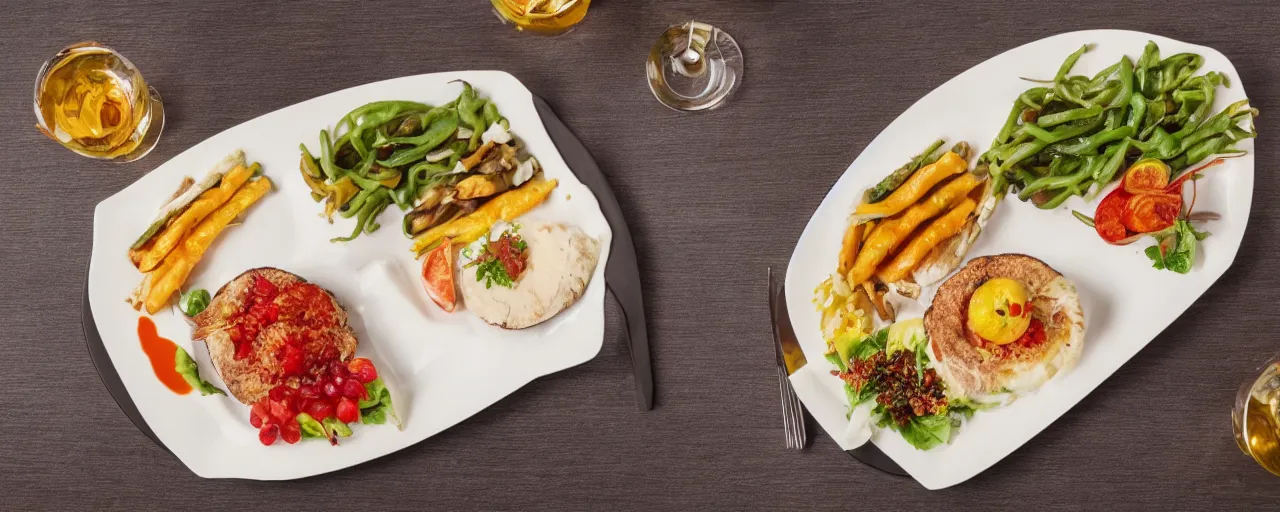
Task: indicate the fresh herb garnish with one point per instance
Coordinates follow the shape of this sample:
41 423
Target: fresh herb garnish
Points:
491 272
1175 248
500 261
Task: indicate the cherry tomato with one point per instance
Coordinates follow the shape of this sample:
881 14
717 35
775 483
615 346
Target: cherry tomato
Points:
1147 213
1107 219
363 370
1149 175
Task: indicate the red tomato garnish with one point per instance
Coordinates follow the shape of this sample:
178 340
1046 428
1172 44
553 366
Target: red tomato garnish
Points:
363 370
1107 219
1015 309
437 276
1150 175
1146 213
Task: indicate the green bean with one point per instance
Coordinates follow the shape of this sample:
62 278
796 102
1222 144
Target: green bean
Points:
1074 114
326 157
1054 182
491 114
440 131
1137 110
362 218
1115 157
1066 66
1087 220
1089 145
1142 75
1126 83
1062 132
357 203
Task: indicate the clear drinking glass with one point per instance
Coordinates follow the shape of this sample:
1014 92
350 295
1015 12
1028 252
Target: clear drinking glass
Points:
1256 416
694 66
546 17
94 101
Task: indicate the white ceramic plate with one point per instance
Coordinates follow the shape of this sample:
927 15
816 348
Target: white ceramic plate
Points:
441 368
1126 302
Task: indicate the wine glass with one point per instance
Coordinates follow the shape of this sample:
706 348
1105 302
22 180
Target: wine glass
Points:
694 66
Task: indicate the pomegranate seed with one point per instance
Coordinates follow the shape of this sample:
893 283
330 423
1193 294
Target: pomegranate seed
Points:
280 412
276 393
337 368
1015 309
309 391
339 380
291 432
320 410
347 410
330 389
267 434
353 389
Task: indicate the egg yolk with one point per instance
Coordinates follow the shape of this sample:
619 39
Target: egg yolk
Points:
999 310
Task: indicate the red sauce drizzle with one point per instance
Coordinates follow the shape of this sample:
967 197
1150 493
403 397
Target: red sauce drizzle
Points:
161 352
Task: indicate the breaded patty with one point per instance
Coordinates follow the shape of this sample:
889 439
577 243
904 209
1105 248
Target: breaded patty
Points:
307 318
969 372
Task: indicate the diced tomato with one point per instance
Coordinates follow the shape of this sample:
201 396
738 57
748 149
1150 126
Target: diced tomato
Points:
1015 309
437 276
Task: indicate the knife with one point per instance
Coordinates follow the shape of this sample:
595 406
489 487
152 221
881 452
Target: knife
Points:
867 453
622 272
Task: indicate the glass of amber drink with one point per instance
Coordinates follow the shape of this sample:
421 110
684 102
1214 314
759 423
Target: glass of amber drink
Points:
94 101
546 17
1256 416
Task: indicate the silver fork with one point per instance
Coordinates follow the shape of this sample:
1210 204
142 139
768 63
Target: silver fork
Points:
792 411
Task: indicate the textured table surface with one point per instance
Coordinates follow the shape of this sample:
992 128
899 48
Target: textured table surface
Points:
713 199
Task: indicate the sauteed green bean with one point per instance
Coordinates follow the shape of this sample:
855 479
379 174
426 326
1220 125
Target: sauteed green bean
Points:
1074 135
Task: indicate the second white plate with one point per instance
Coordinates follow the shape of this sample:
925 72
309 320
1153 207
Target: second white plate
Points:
1126 302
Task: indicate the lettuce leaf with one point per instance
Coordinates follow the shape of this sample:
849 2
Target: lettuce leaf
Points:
925 432
186 367
376 408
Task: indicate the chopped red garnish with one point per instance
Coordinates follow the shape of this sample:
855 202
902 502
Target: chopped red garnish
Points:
1015 309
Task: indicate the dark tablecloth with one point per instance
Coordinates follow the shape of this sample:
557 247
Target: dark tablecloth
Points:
713 199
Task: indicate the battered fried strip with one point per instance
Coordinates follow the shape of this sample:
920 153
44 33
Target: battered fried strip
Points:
210 200
179 262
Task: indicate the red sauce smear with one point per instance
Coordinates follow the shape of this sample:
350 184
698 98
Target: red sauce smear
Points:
161 352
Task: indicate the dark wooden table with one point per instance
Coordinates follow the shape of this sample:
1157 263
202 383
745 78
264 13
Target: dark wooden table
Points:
713 199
